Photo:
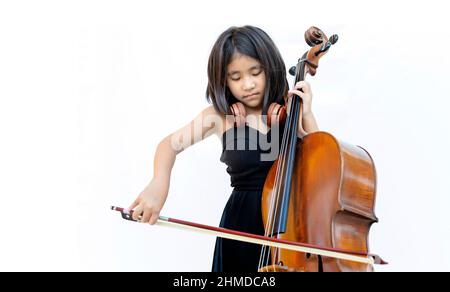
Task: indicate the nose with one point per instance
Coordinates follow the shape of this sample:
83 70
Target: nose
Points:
249 83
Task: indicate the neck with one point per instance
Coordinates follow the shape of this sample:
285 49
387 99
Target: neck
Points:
254 111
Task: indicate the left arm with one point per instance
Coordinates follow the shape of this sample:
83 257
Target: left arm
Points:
309 123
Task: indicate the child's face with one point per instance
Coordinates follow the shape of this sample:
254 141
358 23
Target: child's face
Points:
246 80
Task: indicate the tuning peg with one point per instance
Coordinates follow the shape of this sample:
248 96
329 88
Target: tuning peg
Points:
333 39
292 70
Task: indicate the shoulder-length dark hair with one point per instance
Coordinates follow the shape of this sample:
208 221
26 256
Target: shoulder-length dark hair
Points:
253 42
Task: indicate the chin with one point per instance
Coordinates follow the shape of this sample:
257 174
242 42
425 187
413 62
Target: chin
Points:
253 104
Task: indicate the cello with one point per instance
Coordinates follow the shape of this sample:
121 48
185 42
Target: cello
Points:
319 191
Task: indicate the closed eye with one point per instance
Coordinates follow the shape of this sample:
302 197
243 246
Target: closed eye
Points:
257 73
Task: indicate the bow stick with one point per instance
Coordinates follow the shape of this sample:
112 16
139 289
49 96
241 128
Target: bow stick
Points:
259 239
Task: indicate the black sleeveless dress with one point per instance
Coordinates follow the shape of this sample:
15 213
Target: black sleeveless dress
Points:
248 157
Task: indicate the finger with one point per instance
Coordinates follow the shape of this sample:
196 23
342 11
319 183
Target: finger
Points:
137 212
146 216
134 204
154 218
303 85
297 92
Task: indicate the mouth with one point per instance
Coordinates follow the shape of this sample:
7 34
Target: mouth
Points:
251 95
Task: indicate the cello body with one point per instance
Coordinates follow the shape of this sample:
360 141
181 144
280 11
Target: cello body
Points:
331 204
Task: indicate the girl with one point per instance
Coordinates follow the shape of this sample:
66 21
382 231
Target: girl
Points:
246 74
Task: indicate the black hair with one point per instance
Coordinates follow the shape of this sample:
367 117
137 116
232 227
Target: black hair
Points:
252 42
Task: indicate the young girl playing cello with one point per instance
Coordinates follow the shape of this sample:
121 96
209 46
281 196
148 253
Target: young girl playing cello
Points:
248 89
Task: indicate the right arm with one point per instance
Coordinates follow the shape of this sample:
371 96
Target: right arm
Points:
151 200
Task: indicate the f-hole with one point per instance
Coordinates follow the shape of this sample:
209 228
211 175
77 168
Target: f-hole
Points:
320 263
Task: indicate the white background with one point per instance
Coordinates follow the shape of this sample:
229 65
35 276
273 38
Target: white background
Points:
89 88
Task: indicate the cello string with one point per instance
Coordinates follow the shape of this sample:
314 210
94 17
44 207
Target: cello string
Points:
265 255
279 185
290 155
294 115
265 250
291 135
295 109
289 147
